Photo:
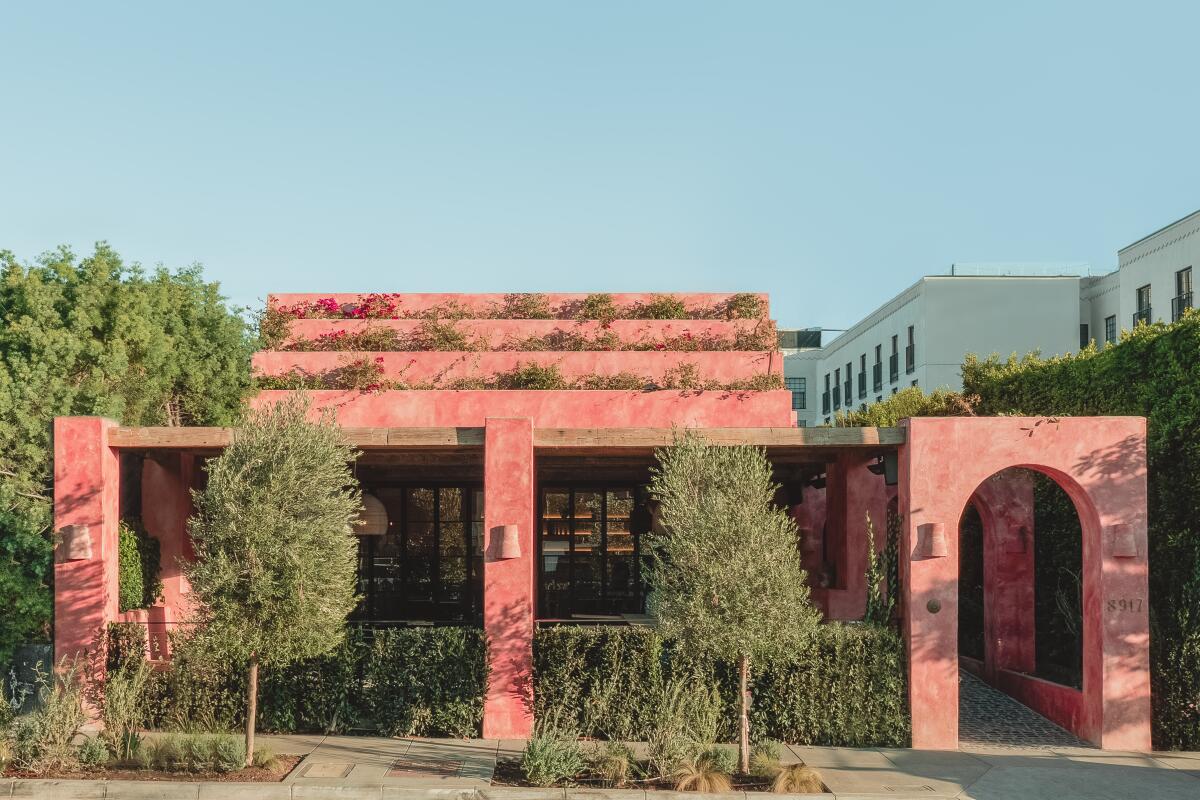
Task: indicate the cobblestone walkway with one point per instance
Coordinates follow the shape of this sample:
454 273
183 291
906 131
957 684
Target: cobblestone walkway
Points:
989 718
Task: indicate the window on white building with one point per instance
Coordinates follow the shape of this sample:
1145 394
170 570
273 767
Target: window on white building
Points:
1110 329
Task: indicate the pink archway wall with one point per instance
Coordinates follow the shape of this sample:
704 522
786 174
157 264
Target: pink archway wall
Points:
1101 464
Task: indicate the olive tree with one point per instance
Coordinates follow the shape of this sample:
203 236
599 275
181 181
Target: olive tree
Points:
725 567
274 574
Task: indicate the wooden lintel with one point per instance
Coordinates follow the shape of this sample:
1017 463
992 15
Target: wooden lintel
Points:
650 438
563 441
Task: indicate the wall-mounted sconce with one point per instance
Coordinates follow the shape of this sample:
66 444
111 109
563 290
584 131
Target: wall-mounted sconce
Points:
510 542
74 543
373 519
1017 540
931 538
817 482
1121 543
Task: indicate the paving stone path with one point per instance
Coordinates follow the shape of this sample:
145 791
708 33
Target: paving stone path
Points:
988 717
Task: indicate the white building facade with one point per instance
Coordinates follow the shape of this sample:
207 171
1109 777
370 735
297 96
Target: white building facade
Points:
919 337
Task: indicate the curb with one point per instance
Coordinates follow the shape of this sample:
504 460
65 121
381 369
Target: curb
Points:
51 789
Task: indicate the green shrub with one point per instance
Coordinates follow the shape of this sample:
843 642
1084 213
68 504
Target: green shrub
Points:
228 753
524 306
614 763
605 677
531 376
92 753
166 752
320 695
661 306
1154 372
845 687
125 644
138 584
426 681
125 706
598 306
744 305
552 755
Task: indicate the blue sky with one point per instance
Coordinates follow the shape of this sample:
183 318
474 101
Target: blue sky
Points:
826 153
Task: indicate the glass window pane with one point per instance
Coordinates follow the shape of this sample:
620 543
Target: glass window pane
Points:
556 527
453 574
452 541
420 505
451 503
477 504
420 538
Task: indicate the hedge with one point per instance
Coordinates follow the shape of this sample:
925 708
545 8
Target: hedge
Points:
138 557
421 681
1154 372
846 688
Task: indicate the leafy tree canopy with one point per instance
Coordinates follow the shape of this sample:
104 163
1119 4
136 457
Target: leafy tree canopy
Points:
94 336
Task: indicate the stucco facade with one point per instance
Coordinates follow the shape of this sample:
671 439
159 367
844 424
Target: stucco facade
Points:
513 473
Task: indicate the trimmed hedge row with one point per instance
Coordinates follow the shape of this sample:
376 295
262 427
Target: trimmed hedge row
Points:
846 688
421 681
1154 372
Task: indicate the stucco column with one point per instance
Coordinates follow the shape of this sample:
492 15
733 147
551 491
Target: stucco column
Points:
166 506
508 599
1006 507
929 576
86 517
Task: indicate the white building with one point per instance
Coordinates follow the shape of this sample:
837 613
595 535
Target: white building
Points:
919 337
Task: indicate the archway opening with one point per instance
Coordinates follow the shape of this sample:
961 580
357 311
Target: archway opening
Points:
1019 608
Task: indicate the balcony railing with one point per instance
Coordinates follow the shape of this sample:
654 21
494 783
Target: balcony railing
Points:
1179 305
825 402
862 384
837 397
877 377
910 359
1141 315
894 367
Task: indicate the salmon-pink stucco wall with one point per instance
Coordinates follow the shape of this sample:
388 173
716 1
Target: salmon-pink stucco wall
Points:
725 366
552 409
1006 508
840 511
485 303
496 333
86 494
1101 464
508 583
166 505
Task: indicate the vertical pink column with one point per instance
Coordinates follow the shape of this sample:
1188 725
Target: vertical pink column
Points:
1005 504
931 509
508 590
86 511
166 506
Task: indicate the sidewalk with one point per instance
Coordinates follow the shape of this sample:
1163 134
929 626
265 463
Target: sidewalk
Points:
362 768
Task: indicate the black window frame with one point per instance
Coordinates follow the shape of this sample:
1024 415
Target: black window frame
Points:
1182 301
639 511
799 389
1110 329
468 608
910 352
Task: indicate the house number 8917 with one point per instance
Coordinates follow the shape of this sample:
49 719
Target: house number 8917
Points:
1127 604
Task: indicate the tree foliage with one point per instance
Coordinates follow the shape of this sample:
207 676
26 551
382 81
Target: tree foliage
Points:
910 402
275 568
94 336
725 571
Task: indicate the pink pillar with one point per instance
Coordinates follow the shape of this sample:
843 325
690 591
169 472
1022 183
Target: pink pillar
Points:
86 511
508 487
1101 463
166 506
853 492
1005 505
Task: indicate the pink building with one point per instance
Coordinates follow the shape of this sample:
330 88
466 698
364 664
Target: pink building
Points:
504 506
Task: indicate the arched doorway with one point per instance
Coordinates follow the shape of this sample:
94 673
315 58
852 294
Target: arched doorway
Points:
1020 620
1101 465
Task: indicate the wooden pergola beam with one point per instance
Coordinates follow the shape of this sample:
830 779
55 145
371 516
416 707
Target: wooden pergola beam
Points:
558 440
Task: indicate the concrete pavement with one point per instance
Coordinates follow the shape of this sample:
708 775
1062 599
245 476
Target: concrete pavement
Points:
372 768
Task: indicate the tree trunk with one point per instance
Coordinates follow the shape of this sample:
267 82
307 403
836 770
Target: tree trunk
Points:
251 707
744 719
